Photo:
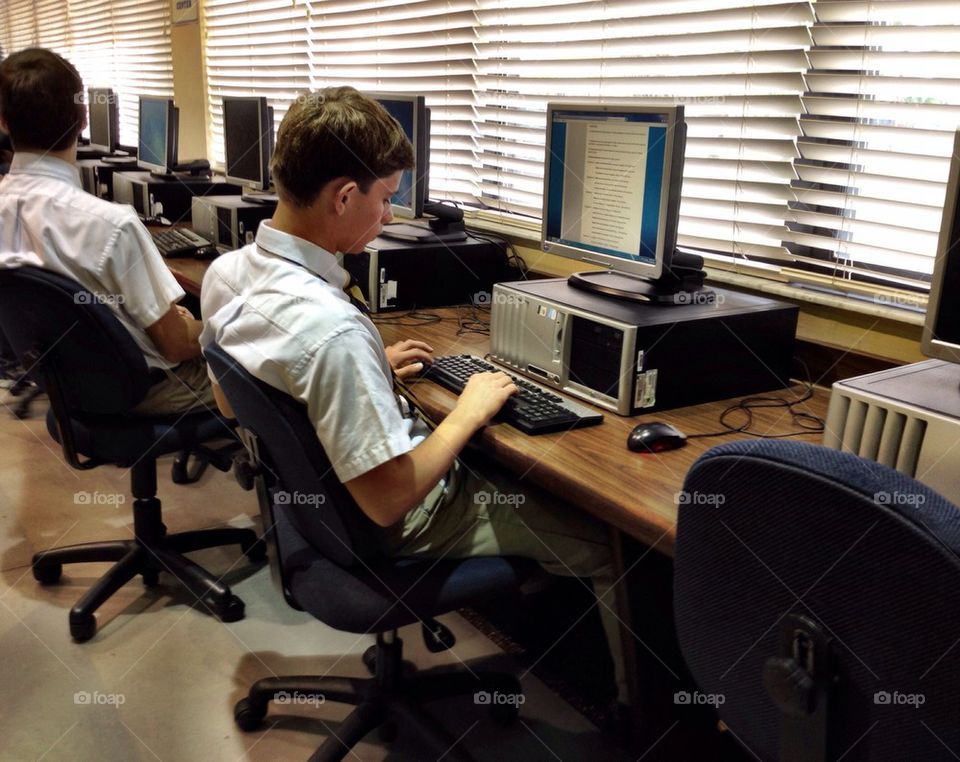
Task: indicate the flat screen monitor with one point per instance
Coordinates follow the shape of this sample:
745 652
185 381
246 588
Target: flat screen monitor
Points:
158 131
104 119
941 330
247 141
412 114
611 186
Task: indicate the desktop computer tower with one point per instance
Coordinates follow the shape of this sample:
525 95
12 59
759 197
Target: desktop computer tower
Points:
228 221
403 275
907 418
633 358
153 197
97 176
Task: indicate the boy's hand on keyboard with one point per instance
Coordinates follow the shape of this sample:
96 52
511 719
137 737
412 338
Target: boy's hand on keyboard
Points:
407 357
483 396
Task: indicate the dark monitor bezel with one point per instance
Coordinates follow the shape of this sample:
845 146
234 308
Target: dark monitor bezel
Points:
172 136
264 144
948 259
671 187
421 151
100 98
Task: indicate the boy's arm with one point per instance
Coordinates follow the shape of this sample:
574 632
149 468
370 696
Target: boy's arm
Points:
388 492
175 335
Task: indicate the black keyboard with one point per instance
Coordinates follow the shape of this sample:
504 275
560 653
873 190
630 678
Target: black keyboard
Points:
182 242
534 410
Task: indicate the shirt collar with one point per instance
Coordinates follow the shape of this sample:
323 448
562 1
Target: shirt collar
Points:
28 163
314 258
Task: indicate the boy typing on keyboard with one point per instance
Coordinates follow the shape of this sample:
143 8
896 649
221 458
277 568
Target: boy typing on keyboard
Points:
278 307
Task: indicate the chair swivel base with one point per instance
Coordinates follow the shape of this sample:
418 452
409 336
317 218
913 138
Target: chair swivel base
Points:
388 701
148 559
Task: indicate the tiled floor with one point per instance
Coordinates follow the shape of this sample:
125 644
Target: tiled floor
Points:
160 678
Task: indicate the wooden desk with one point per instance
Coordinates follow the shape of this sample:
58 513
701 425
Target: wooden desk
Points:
591 467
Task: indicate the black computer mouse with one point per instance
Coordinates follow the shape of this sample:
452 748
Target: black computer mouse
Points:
655 436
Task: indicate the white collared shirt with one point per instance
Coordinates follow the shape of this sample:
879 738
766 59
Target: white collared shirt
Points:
48 220
278 308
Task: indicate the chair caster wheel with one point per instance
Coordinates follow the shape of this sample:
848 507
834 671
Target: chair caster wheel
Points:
370 660
151 578
387 733
83 628
48 574
248 715
231 611
178 471
256 551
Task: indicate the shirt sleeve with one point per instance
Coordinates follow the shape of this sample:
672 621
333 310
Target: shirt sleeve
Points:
135 270
351 402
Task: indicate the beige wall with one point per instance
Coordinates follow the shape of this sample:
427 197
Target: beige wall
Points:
189 89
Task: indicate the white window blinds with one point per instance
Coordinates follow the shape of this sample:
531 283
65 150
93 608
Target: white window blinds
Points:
123 44
880 108
253 48
737 67
278 49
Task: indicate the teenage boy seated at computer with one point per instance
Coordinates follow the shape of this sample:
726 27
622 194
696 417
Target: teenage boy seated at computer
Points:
47 220
279 308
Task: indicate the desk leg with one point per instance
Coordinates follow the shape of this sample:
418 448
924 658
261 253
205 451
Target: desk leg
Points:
661 727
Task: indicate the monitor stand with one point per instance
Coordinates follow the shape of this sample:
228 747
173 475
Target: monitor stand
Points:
680 283
419 233
119 160
259 197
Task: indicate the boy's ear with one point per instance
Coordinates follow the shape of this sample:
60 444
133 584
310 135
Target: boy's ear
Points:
344 190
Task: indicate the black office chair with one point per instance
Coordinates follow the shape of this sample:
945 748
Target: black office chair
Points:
816 599
327 563
94 374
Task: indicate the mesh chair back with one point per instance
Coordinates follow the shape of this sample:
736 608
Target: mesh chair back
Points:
59 330
771 528
303 484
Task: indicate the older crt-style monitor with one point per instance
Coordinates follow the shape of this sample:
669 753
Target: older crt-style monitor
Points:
247 142
104 119
414 117
611 196
158 133
941 330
